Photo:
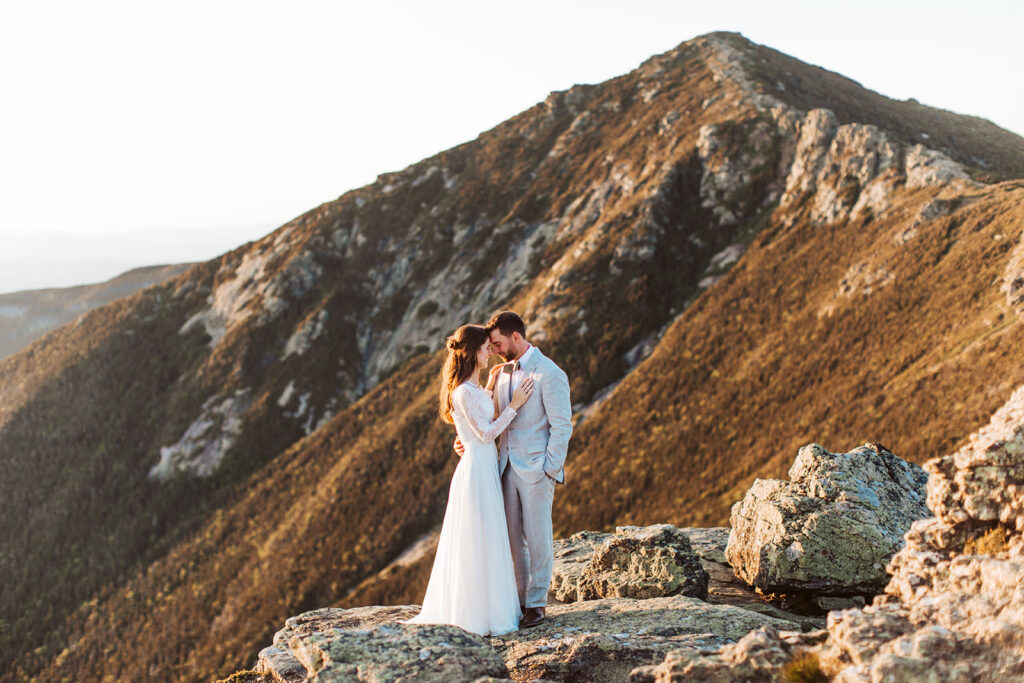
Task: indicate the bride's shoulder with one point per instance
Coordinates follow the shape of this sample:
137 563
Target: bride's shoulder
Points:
467 386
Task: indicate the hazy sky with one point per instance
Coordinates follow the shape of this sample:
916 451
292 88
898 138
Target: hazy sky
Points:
144 132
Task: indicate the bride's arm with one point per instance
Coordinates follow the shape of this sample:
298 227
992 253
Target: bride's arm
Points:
492 383
484 426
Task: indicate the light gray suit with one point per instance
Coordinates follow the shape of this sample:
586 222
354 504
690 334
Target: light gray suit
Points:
534 444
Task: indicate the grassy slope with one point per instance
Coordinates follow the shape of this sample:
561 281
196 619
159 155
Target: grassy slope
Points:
751 372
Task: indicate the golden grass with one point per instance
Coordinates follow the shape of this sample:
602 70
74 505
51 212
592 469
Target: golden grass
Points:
804 668
993 542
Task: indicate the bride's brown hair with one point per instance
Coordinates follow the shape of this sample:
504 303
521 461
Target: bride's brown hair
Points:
460 364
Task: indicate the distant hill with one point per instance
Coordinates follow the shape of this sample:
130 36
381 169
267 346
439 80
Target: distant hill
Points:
730 252
27 315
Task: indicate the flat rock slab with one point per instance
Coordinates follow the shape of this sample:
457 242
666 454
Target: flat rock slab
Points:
603 640
327 618
367 644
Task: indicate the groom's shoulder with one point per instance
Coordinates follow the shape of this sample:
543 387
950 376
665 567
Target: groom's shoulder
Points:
551 365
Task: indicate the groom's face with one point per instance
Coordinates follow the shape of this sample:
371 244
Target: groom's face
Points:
506 347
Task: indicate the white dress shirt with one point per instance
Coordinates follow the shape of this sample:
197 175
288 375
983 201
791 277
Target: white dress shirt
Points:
517 375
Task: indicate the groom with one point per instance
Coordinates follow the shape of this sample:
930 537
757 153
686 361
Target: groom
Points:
531 455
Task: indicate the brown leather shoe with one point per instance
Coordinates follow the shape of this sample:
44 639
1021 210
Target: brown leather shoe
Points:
531 617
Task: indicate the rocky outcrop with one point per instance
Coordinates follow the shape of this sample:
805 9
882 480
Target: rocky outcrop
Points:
848 170
735 160
634 562
925 166
833 527
587 639
837 509
954 609
597 640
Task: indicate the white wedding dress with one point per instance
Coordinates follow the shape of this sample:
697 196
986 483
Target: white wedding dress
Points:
473 581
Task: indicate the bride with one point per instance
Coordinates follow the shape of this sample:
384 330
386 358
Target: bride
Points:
473 582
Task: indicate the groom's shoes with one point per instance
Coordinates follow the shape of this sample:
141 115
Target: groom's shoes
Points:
531 617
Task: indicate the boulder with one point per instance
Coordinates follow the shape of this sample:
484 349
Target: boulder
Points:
708 542
954 608
832 528
366 644
634 562
603 640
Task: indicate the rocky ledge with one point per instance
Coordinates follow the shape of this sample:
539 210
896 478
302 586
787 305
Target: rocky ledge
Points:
589 638
659 604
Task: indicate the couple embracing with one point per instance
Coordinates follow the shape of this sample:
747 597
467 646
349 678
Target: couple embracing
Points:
494 556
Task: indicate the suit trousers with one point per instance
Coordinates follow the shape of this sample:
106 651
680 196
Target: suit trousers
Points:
528 514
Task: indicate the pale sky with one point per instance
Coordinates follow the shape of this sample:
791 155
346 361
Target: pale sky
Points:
147 132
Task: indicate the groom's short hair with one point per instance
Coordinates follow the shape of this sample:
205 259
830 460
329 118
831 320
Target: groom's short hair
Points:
507 322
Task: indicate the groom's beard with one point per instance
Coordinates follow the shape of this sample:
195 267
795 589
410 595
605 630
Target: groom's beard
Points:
508 355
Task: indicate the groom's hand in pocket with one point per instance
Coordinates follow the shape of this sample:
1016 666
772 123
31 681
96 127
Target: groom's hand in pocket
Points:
459 448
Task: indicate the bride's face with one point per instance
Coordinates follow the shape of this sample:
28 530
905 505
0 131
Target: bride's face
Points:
482 354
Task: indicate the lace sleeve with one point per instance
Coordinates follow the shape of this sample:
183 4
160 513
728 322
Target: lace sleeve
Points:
478 414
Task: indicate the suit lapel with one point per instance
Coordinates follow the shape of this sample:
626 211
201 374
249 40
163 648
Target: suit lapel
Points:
532 363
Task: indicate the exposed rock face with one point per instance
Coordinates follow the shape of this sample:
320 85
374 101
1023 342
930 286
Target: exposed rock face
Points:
208 438
954 609
929 167
634 562
833 527
735 159
847 170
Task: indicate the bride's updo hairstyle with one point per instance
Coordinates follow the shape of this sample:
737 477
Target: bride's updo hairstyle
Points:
460 364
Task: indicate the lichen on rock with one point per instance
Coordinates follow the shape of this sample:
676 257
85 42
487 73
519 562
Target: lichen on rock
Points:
634 562
833 527
950 612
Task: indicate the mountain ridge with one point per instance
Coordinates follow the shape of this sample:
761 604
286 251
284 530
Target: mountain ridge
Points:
255 472
28 314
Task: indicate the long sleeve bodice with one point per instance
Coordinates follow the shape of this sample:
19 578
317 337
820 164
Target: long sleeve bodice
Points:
474 411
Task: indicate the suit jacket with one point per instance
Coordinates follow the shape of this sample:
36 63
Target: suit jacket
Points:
538 438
